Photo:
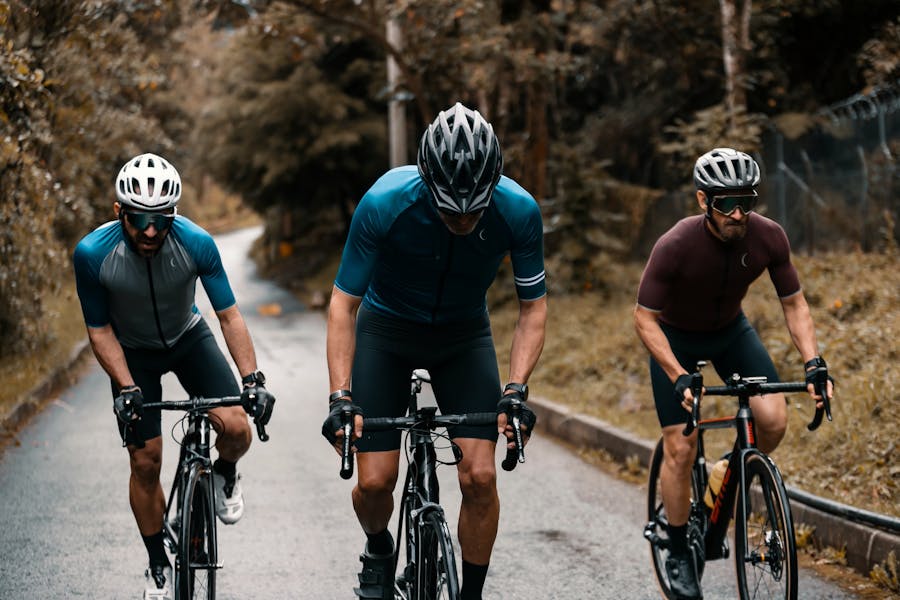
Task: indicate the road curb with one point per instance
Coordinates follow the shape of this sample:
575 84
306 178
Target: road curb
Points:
865 546
29 403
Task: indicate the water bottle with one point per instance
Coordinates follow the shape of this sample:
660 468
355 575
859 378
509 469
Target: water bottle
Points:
715 482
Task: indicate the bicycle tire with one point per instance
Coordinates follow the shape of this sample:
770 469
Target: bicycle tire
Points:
765 549
656 514
436 577
195 561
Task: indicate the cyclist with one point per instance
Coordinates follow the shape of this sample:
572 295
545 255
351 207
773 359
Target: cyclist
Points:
424 245
136 278
689 309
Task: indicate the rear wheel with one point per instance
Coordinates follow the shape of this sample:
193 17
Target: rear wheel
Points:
195 562
765 551
436 577
656 530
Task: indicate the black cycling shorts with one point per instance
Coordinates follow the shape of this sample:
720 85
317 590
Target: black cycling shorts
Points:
459 357
195 359
736 348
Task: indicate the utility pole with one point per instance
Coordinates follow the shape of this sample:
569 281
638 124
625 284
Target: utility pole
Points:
396 109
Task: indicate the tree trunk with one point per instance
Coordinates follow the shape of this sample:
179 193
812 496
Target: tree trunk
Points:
735 45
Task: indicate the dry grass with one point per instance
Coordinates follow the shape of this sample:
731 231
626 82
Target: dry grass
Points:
25 372
594 362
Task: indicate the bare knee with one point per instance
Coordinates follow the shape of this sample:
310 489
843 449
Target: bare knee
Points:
679 451
146 463
378 483
478 482
232 426
770 417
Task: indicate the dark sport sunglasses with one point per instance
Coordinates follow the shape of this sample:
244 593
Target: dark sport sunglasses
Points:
142 220
727 204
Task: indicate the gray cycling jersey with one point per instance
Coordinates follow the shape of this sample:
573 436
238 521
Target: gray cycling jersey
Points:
148 301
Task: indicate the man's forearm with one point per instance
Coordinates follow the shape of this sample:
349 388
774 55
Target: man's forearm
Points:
651 335
528 339
109 354
340 344
238 340
800 325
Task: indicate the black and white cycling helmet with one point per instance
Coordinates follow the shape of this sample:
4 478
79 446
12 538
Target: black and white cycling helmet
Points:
148 182
725 169
460 161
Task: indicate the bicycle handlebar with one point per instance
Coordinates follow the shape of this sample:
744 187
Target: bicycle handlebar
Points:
753 386
513 455
205 404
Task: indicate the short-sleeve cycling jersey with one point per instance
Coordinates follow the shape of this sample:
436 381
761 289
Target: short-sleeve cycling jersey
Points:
148 301
402 260
696 282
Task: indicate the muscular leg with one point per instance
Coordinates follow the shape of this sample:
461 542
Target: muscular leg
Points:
770 416
148 502
233 432
373 496
675 476
480 510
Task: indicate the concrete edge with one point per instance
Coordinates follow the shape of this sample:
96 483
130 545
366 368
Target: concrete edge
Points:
864 546
29 403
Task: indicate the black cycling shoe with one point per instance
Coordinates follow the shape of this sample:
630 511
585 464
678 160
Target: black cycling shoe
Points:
683 578
376 580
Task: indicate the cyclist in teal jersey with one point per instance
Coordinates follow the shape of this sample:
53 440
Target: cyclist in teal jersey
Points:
136 278
689 309
424 246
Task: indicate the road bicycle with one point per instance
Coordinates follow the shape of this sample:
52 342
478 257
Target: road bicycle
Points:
430 570
765 552
189 523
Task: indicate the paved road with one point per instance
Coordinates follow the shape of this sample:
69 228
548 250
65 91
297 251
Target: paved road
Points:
567 530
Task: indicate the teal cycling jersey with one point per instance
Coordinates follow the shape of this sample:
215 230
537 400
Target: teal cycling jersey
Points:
401 259
148 301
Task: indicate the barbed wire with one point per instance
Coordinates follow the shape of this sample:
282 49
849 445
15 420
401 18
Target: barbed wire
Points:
881 100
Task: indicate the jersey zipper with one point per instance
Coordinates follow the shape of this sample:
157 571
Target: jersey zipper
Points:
159 329
442 280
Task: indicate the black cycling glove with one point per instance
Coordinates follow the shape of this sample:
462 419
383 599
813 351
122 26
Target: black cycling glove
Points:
257 401
335 419
817 373
526 415
683 382
129 404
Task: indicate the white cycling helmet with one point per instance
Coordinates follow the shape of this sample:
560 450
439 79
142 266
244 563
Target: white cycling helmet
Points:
725 169
148 182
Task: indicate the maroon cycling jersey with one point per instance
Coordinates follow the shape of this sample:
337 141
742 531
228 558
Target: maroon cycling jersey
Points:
696 282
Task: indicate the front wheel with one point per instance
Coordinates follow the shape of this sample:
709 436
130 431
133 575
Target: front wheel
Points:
436 577
195 561
765 551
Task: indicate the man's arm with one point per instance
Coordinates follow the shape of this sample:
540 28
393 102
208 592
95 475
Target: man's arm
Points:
800 324
109 354
528 339
340 344
646 323
237 338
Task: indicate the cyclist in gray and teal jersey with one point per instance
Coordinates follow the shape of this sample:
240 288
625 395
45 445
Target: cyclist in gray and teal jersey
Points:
424 246
136 278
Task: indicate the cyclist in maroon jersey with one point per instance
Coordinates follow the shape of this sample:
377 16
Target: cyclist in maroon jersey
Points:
689 309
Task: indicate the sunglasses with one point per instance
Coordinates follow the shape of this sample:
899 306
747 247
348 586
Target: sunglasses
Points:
142 220
727 204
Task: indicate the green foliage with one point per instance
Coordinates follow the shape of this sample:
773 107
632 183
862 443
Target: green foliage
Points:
293 125
77 81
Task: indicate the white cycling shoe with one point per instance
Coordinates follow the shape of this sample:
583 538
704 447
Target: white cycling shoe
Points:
229 502
158 583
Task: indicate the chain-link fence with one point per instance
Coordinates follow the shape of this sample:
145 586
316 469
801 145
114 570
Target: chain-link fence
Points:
835 181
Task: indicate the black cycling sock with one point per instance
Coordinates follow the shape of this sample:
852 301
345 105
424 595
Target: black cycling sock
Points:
225 468
678 538
472 581
156 549
380 543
